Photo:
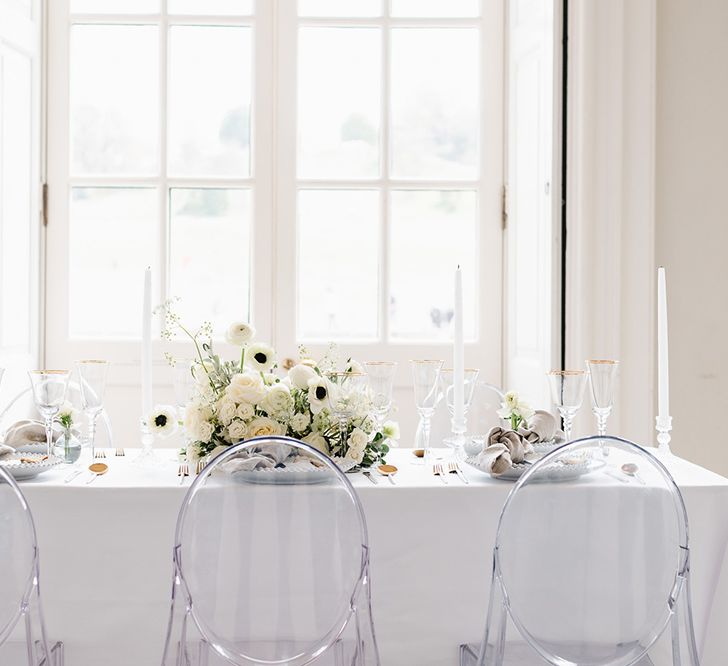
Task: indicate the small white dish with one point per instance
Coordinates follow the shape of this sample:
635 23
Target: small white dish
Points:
27 470
296 473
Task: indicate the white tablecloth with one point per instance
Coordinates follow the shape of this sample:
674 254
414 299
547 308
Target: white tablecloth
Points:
105 552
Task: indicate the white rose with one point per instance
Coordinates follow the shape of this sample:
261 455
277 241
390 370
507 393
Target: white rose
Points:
264 427
299 422
239 333
358 439
319 389
245 411
237 431
260 357
203 432
300 375
246 387
162 422
356 454
318 442
226 410
277 400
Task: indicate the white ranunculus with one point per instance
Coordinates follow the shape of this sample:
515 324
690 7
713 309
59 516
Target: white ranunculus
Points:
68 411
246 387
300 375
263 426
513 406
226 410
391 430
354 366
239 333
319 390
162 422
260 357
317 441
245 411
237 430
300 421
278 400
196 413
203 432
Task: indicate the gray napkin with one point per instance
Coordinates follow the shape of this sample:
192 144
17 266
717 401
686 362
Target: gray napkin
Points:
26 432
6 450
264 456
503 448
542 427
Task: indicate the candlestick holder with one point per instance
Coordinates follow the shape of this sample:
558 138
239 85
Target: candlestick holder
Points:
147 457
663 425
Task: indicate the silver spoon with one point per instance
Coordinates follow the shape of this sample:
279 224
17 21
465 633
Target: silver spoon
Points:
631 469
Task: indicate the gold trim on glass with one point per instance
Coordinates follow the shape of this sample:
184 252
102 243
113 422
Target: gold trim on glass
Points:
567 373
602 361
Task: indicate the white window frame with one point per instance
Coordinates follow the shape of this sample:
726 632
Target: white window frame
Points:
273 254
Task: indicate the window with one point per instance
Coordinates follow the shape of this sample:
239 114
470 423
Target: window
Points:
319 167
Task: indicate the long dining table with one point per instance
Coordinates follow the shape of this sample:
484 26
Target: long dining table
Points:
106 557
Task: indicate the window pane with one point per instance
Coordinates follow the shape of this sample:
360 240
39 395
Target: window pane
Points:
435 103
431 234
16 221
233 7
209 101
114 99
339 102
114 6
438 8
113 238
210 255
338 267
340 7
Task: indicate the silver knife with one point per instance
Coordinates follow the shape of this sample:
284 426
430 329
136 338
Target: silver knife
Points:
71 477
371 478
460 474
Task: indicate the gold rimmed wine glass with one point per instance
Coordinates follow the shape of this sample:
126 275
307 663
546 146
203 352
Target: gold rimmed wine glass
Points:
426 377
381 383
49 394
602 379
567 393
92 384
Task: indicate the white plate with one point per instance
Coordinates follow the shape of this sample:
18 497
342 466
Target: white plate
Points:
26 470
557 471
302 473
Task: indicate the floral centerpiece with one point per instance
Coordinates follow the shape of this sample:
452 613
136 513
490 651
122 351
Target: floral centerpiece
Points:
246 397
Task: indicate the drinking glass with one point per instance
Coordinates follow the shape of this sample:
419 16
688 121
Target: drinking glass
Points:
185 386
426 377
49 394
381 382
92 384
345 393
447 377
602 375
567 392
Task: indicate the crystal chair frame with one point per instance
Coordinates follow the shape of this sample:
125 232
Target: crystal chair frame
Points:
184 615
37 650
678 605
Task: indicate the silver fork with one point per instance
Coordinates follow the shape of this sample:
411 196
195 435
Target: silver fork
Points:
120 452
199 467
184 471
454 468
99 453
438 470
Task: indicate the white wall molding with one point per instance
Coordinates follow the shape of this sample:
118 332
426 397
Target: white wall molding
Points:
610 201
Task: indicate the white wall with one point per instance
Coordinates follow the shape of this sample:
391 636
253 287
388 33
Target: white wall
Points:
692 218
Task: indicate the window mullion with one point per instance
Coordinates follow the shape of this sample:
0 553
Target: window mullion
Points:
164 270
384 290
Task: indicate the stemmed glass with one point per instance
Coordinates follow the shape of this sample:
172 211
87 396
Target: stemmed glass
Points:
344 395
185 386
49 394
567 392
602 375
381 382
92 384
447 376
426 377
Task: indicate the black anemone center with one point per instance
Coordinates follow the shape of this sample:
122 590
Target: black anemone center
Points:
160 420
320 392
261 357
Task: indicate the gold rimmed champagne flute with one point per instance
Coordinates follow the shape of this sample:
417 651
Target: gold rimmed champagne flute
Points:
49 394
345 392
567 392
92 384
381 383
602 376
426 378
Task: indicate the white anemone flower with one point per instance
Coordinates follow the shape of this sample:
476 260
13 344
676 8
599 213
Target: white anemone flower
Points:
260 357
162 422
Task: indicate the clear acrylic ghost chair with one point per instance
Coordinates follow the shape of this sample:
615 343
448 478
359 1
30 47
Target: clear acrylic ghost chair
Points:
590 572
23 640
271 568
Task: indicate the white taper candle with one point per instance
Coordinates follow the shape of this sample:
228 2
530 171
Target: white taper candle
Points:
458 352
147 345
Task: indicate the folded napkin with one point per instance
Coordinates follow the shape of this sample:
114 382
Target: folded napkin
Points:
503 449
6 450
265 456
27 432
542 427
